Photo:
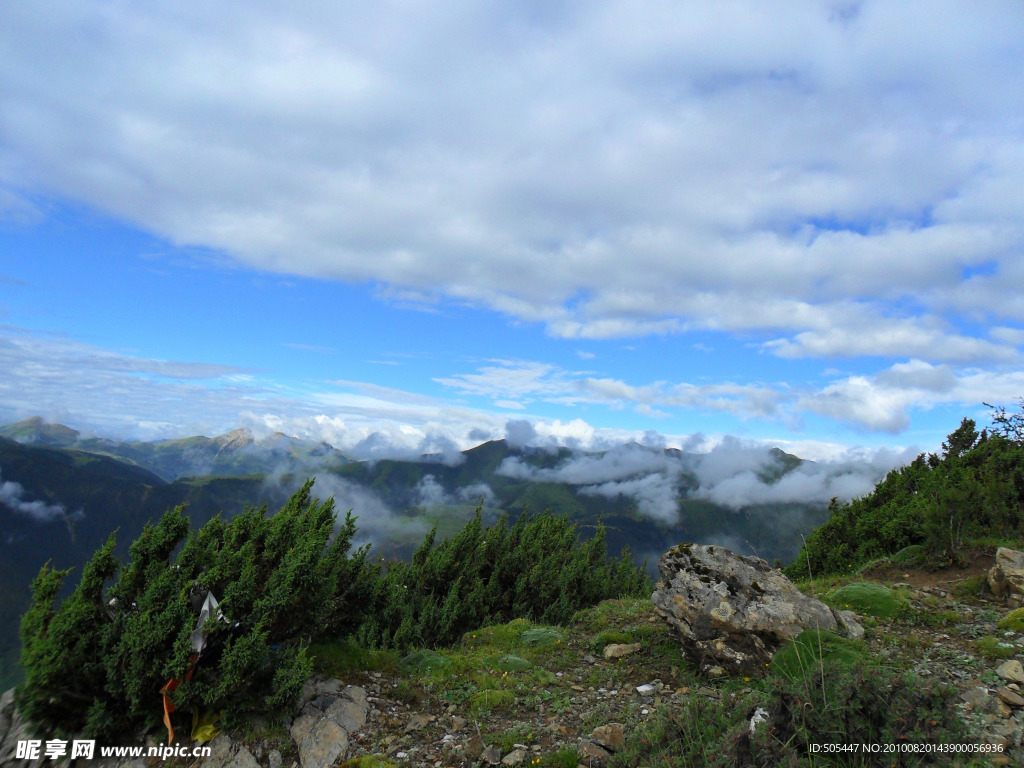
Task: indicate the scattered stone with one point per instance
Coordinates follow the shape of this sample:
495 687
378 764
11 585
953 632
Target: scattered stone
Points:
274 759
646 690
349 714
594 753
732 612
1011 698
416 722
458 723
618 650
976 696
491 755
321 744
1006 578
611 736
515 757
1011 670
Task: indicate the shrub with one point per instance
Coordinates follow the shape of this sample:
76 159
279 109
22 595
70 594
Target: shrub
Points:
96 663
842 706
938 503
535 569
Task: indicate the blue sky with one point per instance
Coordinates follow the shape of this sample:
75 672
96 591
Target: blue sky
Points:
394 226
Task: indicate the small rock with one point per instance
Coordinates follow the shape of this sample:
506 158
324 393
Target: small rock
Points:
593 752
618 650
515 757
458 723
491 755
349 714
416 722
646 689
976 696
1011 698
611 736
274 759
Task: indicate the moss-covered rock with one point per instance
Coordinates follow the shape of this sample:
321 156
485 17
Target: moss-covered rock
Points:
867 599
1013 620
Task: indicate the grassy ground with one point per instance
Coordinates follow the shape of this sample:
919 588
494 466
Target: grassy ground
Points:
929 636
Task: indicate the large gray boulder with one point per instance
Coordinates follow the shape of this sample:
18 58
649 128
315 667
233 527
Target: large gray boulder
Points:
732 612
1007 575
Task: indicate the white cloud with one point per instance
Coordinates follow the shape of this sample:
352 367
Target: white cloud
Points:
12 496
608 169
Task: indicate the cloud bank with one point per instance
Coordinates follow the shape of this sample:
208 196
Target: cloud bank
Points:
733 474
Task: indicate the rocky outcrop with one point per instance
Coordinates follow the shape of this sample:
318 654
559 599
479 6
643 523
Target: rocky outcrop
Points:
330 712
1007 575
732 612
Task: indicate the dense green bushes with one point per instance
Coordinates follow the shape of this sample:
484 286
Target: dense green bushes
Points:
535 569
974 489
97 661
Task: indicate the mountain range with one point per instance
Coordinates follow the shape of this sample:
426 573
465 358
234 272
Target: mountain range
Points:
61 496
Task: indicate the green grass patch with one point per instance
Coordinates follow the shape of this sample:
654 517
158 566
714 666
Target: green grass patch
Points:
500 636
566 757
610 637
368 761
541 636
619 613
867 599
507 662
972 586
994 648
425 661
483 702
815 649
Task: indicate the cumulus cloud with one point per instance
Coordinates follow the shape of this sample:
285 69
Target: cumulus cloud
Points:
12 495
605 169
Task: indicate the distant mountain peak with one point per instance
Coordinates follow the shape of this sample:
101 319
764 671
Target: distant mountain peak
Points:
235 439
35 430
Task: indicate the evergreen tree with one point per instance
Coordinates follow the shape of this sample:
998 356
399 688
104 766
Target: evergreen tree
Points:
98 662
